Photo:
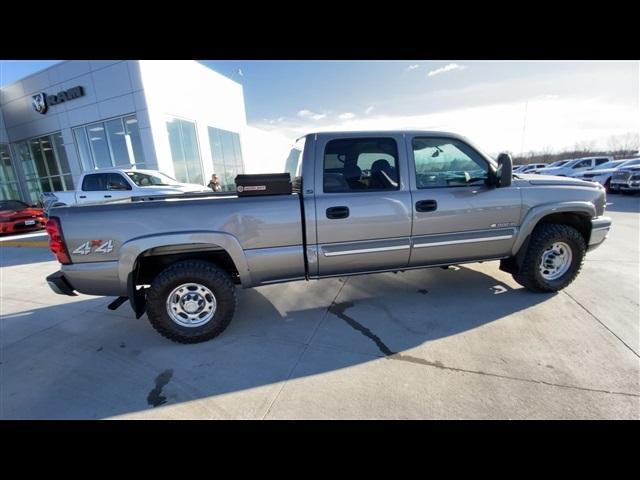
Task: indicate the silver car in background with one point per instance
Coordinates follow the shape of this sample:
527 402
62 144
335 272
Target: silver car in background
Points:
603 174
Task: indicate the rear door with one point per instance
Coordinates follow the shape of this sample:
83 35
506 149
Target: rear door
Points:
363 203
93 188
457 216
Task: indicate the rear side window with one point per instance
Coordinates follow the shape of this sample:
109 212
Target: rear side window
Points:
600 161
361 164
94 182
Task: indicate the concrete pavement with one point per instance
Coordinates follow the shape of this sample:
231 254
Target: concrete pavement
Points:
467 342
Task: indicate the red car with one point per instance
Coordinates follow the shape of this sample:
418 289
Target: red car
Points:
17 216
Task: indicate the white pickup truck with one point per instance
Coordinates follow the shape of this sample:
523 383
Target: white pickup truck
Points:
117 184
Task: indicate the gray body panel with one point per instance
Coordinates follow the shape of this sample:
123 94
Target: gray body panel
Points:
264 235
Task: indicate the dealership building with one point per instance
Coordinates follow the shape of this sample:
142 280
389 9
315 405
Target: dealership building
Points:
179 117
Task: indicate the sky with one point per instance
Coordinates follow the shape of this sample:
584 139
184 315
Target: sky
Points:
514 106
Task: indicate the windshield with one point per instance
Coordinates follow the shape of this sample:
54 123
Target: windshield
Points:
12 205
151 180
629 163
559 163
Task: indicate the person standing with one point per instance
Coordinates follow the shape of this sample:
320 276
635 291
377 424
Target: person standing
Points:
214 183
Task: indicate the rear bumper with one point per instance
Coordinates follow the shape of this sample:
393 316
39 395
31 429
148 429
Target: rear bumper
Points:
600 227
59 284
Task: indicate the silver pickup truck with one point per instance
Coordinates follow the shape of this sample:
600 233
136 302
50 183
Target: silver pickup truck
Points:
362 202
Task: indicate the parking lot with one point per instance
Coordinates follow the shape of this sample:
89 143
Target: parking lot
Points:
467 342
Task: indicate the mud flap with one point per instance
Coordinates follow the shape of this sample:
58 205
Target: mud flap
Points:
513 264
137 297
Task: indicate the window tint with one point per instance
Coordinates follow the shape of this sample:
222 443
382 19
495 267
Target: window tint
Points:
115 181
94 182
600 161
359 164
446 162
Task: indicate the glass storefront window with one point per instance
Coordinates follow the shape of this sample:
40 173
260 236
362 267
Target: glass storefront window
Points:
45 165
184 151
99 146
8 180
227 156
80 135
113 143
117 142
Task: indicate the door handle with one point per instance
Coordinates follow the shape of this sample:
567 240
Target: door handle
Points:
426 206
82 196
107 196
337 212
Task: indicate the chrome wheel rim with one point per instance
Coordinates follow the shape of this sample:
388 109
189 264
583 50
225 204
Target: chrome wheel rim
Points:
555 261
191 305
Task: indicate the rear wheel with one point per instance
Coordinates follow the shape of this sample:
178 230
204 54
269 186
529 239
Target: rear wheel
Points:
607 186
553 259
191 301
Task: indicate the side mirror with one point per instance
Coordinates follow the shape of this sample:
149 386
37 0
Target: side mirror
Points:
504 173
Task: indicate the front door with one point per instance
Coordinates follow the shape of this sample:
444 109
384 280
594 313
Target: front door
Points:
363 204
457 215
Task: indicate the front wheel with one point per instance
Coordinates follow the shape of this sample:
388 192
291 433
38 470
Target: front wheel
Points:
191 301
553 259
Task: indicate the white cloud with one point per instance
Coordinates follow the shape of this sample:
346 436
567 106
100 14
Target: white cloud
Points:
368 110
557 123
346 116
446 68
412 67
304 113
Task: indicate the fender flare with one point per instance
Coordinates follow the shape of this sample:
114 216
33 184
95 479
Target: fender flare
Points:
537 213
132 249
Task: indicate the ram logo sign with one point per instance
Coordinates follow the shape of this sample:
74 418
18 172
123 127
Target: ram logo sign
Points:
42 101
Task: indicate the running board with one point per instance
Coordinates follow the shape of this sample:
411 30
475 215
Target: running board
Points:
117 302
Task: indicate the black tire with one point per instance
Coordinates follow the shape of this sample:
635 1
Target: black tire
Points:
607 186
627 192
196 271
543 236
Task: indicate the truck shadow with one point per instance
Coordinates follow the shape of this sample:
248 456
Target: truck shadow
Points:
84 362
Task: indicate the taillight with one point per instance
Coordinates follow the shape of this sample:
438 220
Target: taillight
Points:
56 242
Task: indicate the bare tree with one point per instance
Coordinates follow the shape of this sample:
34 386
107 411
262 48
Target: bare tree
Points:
624 145
585 146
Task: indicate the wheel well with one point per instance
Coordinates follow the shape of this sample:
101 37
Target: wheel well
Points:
151 262
579 221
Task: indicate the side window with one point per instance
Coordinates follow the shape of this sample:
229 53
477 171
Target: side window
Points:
447 162
600 161
94 182
115 181
361 164
582 164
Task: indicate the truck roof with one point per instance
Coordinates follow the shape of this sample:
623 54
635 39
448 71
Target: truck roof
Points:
427 133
